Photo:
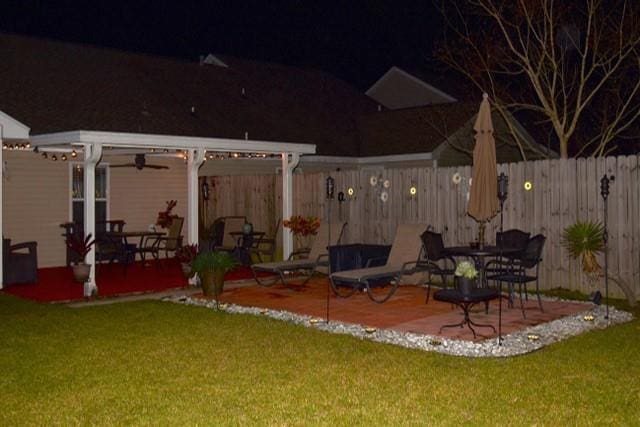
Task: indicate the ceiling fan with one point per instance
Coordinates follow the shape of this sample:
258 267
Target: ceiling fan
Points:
140 162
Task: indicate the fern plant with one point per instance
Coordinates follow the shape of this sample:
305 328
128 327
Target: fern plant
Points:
585 240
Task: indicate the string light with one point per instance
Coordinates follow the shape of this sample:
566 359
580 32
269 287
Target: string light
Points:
74 154
63 157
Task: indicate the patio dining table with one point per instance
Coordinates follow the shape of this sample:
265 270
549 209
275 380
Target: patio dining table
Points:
479 254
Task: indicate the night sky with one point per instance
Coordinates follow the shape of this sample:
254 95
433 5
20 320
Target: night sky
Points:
357 41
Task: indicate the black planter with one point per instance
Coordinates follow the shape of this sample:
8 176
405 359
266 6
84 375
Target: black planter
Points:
464 285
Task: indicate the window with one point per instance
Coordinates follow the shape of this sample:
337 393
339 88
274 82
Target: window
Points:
77 193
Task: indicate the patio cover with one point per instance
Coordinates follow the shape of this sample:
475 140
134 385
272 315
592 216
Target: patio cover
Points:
93 142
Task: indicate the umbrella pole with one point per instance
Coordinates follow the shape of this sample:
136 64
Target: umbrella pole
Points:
481 233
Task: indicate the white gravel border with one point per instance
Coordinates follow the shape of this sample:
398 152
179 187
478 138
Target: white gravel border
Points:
517 343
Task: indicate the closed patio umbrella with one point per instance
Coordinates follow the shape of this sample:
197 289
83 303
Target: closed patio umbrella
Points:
483 200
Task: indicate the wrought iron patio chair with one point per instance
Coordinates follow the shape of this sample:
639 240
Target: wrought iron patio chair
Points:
265 246
20 262
515 271
173 240
316 261
406 251
231 224
435 260
510 239
152 245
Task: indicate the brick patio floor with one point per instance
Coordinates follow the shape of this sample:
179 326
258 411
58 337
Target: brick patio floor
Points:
406 311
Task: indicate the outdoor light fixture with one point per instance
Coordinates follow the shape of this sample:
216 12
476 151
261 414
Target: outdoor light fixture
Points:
54 158
533 337
413 191
63 157
503 186
350 191
370 330
330 189
314 321
74 154
205 190
589 317
528 185
503 191
604 192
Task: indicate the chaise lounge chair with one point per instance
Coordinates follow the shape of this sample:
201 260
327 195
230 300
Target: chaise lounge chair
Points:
403 258
317 260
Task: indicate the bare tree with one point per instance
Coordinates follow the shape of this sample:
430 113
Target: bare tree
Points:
574 66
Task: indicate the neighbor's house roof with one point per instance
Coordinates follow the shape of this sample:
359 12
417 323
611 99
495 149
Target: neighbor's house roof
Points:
444 130
413 130
54 86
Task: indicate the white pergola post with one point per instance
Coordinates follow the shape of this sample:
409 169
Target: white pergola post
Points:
287 199
195 159
92 155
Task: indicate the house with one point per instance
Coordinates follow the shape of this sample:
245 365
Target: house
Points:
70 111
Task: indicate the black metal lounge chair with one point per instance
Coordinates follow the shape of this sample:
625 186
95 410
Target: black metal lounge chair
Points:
403 258
317 260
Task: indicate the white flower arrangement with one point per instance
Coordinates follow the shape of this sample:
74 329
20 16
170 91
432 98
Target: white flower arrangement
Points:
467 270
384 196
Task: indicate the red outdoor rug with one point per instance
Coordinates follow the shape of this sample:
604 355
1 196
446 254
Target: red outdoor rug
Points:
57 283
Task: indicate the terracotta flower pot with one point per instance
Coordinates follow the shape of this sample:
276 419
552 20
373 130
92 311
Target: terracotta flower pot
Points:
81 272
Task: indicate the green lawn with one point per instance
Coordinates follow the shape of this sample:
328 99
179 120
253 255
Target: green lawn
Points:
160 363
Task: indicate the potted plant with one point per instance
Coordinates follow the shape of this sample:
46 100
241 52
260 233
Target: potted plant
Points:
466 275
165 218
211 266
185 255
81 246
585 240
302 228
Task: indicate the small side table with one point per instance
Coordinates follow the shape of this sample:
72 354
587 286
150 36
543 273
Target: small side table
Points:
467 300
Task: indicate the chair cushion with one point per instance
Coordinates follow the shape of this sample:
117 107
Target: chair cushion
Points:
295 264
363 274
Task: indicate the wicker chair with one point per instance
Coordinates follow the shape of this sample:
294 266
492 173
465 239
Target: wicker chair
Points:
20 262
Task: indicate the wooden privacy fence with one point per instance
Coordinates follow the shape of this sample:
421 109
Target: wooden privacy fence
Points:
562 192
